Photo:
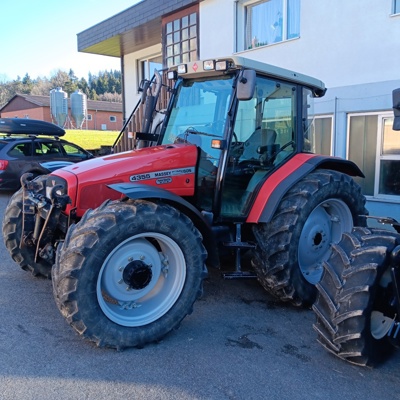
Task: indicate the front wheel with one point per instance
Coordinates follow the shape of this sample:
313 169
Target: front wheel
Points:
129 272
311 216
356 303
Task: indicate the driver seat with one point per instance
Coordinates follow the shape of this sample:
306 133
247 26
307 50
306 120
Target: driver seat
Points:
259 138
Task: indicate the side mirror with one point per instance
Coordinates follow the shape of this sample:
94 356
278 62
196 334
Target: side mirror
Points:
246 84
396 109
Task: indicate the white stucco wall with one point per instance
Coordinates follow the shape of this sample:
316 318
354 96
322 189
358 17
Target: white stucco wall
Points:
217 28
342 42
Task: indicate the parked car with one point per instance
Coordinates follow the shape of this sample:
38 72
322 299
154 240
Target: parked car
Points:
24 148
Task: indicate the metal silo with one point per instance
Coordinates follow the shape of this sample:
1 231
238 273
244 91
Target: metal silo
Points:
59 106
78 107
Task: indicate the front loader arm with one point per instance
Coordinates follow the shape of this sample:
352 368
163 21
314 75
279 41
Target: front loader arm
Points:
42 216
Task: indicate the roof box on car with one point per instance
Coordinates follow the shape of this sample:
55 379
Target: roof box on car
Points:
23 126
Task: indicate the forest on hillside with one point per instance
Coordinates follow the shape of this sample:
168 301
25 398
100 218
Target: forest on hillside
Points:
106 86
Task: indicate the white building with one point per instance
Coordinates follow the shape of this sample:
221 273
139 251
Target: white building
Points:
352 46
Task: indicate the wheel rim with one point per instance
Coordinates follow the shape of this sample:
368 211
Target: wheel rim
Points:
381 315
325 225
141 279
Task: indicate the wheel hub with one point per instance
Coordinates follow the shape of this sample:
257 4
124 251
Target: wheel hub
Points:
137 274
318 238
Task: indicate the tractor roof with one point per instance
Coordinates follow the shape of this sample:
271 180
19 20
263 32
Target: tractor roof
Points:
209 67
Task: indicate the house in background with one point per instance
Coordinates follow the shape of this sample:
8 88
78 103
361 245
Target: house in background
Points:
351 46
101 115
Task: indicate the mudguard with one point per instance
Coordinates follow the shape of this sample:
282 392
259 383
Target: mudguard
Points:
277 184
140 191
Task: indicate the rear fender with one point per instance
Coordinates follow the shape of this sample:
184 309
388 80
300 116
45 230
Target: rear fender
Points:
277 184
139 191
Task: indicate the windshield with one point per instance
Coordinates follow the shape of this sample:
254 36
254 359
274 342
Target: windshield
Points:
200 106
199 115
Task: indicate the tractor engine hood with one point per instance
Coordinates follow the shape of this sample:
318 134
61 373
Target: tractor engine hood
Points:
171 167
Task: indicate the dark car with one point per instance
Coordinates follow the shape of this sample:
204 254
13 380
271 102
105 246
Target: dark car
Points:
23 150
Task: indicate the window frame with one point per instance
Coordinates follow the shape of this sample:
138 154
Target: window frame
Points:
395 7
380 115
348 126
187 12
381 157
332 133
241 25
143 66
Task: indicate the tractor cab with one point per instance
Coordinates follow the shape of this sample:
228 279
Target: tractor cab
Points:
245 123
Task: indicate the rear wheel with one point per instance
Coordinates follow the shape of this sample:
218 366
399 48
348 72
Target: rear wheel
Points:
129 272
311 216
12 232
355 304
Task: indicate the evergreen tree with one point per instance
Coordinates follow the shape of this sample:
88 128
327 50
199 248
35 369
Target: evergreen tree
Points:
27 84
93 95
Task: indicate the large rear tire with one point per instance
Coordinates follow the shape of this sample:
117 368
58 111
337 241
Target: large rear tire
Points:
354 305
129 272
12 231
291 248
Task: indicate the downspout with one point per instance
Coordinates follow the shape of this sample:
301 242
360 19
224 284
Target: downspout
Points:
123 91
235 26
335 150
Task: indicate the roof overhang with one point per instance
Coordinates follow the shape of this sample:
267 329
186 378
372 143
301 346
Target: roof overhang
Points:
134 29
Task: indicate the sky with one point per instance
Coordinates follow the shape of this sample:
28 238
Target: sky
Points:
39 37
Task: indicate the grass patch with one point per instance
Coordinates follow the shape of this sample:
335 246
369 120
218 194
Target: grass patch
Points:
90 140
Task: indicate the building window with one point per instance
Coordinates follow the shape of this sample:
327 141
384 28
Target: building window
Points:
318 129
361 148
181 37
388 165
396 7
148 65
113 118
89 117
375 148
323 135
271 21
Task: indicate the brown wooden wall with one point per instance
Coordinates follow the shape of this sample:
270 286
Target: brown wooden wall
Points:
127 142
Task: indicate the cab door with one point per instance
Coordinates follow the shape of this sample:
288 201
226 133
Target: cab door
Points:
263 138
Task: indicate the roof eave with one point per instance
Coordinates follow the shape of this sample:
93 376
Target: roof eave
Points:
134 29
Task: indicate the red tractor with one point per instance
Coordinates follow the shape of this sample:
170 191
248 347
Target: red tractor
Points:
358 302
231 170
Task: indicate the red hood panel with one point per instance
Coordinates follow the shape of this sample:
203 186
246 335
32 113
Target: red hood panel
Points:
171 167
